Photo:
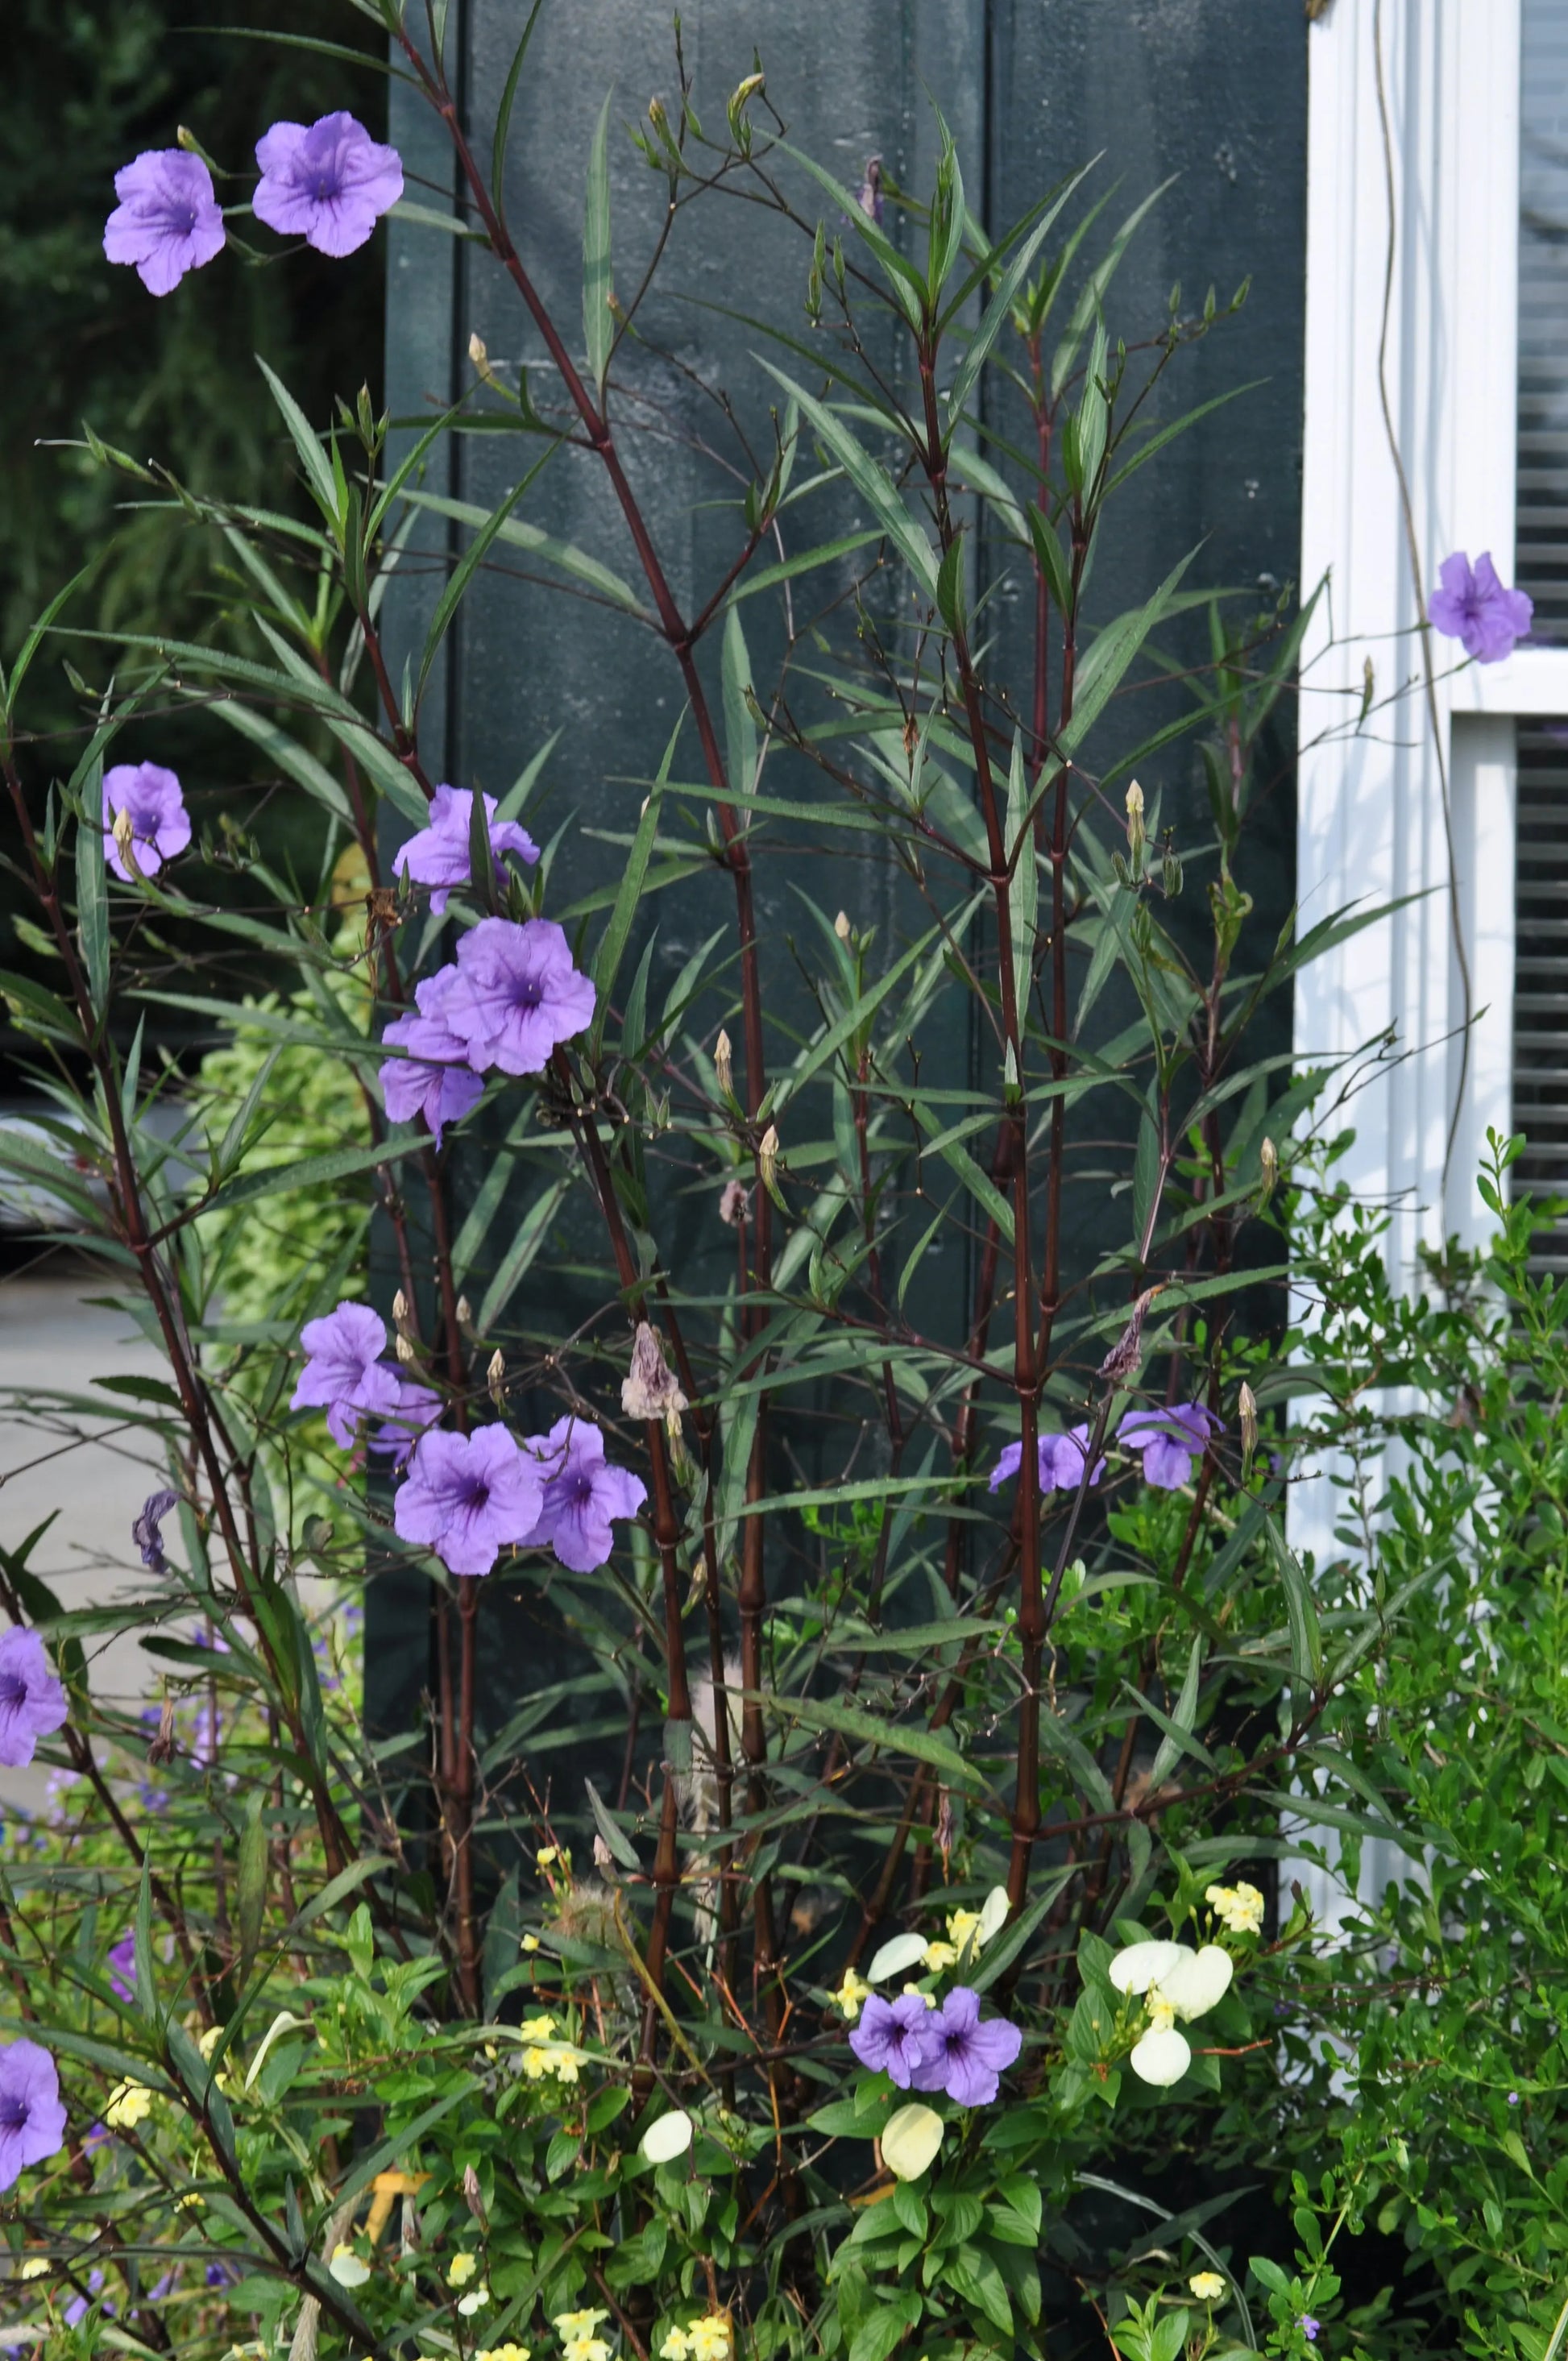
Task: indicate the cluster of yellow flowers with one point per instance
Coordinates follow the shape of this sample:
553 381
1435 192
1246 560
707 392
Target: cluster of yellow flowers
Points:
1239 1908
129 2104
578 2333
504 2353
542 2054
708 2339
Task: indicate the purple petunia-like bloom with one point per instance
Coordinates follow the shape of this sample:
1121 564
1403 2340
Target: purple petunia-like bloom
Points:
1061 1458
328 183
123 1967
344 1373
1473 608
512 995
32 1702
32 2120
582 1492
161 825
1170 1440
432 1079
1309 2327
168 220
894 2036
440 855
418 1407
468 1496
965 2057
146 1530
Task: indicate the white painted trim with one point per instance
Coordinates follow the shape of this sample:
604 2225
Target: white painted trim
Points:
1485 795
1370 819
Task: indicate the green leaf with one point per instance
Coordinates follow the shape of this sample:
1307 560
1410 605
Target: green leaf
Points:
1183 1716
251 1893
1000 309
503 116
891 2317
1102 668
93 891
854 1721
10 688
614 1835
906 281
740 729
147 1990
1024 887
530 1236
290 756
562 554
337 1164
318 473
463 573
598 321
382 2158
1306 1636
1156 442
612 942
1091 299
873 483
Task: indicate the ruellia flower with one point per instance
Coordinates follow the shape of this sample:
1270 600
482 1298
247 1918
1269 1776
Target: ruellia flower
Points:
1061 1458
441 854
513 994
168 220
1170 1441
1474 607
1238 1908
146 1530
32 2119
344 1373
432 1077
894 2036
32 1701
418 1408
467 1497
123 1969
328 183
965 2057
155 824
1174 1981
583 1492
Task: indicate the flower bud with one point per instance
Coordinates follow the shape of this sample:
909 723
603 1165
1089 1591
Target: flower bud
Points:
406 1352
1246 1412
604 1859
496 1377
465 1316
471 2197
768 1157
841 927
123 834
1170 875
1135 838
1268 1157
721 1063
401 1314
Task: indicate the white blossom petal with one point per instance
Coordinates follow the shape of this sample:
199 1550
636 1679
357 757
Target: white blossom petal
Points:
670 2136
1162 2057
901 1952
1199 1982
1141 1964
909 2144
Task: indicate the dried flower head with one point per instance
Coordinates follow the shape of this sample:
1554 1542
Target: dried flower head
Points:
734 1203
650 1389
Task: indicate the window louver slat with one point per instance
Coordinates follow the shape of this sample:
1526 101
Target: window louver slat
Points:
1541 557
1541 976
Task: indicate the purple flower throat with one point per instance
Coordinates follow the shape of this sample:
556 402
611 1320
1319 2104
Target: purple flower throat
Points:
13 2111
13 1690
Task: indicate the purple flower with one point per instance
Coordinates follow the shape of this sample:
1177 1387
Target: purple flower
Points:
161 825
441 854
344 1374
965 2056
432 1079
869 196
1513 2098
894 2037
123 1967
468 1496
1170 1440
32 1703
582 1492
512 995
418 1407
167 221
1308 2328
329 184
1061 1460
144 1530
1478 610
32 2120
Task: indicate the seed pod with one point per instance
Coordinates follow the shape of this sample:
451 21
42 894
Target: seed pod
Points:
721 1064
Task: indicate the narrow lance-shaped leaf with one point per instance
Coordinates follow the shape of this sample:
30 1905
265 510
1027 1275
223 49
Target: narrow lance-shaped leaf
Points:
999 311
598 321
93 891
873 483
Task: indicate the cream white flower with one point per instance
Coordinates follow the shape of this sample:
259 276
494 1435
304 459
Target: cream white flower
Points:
904 1951
669 2137
1174 1981
1162 2057
475 2301
1141 1964
461 2269
347 2268
569 2326
911 2140
1207 2286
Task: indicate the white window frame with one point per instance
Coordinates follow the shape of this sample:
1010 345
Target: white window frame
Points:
1370 821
